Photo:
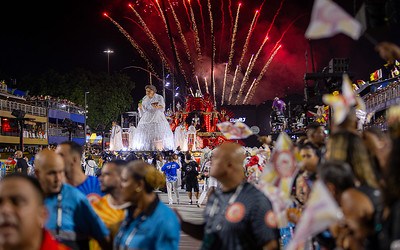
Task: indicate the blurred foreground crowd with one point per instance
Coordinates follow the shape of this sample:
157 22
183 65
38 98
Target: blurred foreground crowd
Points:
61 207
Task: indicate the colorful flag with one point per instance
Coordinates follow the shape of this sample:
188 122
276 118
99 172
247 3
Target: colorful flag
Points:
236 131
320 212
341 103
360 83
376 75
329 19
277 177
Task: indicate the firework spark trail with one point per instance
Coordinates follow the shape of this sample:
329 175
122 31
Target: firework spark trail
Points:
287 29
248 92
233 85
224 85
275 16
246 44
151 36
184 41
231 53
273 53
213 43
158 11
205 82
222 29
262 5
187 12
173 41
246 76
202 21
135 45
250 68
180 63
136 23
214 88
259 51
263 71
230 13
191 91
266 66
196 33
266 37
211 16
162 16
198 85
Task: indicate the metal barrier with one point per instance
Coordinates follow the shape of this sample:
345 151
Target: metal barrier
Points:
59 132
382 97
28 109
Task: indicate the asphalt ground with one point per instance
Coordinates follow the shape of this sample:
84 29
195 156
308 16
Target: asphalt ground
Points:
190 213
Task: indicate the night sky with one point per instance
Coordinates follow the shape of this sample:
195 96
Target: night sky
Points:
63 35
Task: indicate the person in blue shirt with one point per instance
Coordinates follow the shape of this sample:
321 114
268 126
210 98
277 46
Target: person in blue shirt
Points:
170 170
149 223
72 219
72 152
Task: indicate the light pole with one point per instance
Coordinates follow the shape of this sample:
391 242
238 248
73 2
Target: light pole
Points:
87 92
108 52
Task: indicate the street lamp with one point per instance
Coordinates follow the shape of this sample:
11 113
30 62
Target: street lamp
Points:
108 52
87 92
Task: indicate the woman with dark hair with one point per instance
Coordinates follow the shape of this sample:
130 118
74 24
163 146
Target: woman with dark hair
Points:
348 147
379 147
149 223
153 132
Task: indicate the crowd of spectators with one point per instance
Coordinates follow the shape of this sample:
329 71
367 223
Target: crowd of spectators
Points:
55 103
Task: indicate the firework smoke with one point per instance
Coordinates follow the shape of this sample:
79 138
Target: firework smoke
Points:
264 70
246 76
196 60
249 91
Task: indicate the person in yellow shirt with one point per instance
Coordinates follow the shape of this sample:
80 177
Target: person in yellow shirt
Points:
110 208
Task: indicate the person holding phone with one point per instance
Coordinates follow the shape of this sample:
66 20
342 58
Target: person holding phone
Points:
153 131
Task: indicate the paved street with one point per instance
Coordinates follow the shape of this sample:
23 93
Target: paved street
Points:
189 213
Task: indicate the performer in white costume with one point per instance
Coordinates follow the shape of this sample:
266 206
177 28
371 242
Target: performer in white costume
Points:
116 137
181 137
131 132
191 135
153 131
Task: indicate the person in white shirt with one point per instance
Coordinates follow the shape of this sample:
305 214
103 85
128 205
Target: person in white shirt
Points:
131 133
180 136
116 137
191 134
90 166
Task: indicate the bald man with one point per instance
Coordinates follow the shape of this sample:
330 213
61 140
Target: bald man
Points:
238 215
72 219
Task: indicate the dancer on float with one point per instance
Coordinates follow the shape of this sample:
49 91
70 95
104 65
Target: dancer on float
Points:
153 131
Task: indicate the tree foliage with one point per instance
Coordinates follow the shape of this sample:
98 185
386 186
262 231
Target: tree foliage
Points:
109 95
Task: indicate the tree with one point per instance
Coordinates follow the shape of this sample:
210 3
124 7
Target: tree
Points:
109 97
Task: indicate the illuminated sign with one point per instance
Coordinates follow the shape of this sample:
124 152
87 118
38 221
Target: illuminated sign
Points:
240 119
